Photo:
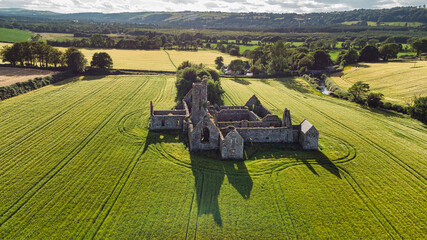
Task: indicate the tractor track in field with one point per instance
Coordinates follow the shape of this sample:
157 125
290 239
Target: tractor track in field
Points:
49 150
51 120
122 122
135 160
349 155
362 111
189 213
61 164
286 205
381 218
355 186
278 207
199 201
390 155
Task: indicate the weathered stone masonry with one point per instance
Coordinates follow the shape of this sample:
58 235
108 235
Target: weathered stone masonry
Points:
228 128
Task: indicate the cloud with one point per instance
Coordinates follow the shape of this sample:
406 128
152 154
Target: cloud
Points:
276 6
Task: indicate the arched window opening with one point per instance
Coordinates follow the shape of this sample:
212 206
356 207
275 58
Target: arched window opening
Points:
163 122
205 135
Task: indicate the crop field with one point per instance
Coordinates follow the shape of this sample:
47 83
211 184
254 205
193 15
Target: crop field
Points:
77 161
10 75
155 60
14 35
398 81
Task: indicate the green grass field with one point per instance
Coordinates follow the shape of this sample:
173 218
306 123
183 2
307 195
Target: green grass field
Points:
398 81
77 161
14 35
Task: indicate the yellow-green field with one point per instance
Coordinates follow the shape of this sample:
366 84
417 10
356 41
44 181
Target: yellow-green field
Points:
398 81
396 24
155 60
77 162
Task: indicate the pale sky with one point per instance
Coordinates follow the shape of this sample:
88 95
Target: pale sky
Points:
275 6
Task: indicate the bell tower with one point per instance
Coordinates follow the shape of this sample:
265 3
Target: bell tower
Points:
199 101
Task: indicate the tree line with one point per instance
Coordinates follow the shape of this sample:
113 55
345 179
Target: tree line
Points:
38 54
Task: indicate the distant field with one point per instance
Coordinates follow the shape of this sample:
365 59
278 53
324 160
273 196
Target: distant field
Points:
398 81
155 60
10 75
397 24
14 35
78 162
57 36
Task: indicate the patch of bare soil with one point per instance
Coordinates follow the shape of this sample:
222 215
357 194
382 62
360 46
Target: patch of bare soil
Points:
10 75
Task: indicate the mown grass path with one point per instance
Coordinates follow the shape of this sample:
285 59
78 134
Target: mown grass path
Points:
77 162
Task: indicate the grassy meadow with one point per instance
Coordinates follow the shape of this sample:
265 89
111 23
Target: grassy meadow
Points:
78 161
398 81
14 35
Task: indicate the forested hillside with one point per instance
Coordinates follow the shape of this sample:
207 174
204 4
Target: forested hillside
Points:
234 20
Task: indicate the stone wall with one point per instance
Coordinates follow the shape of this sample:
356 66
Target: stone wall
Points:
232 145
169 112
166 122
197 134
228 115
266 134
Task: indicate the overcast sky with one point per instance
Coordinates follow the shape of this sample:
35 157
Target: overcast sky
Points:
276 6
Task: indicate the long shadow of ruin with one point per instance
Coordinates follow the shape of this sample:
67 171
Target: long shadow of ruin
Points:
209 173
208 183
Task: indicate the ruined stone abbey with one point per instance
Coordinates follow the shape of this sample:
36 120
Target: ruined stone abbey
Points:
228 128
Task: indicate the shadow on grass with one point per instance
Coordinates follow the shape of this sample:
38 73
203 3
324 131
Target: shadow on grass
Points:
384 112
209 173
293 84
293 151
241 81
77 78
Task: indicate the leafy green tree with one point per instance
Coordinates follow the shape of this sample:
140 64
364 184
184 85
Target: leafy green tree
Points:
188 74
360 42
277 62
214 74
389 50
420 46
321 59
359 91
374 99
76 62
236 66
306 62
373 42
101 60
185 79
419 109
55 57
219 61
369 54
346 44
349 57
215 92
